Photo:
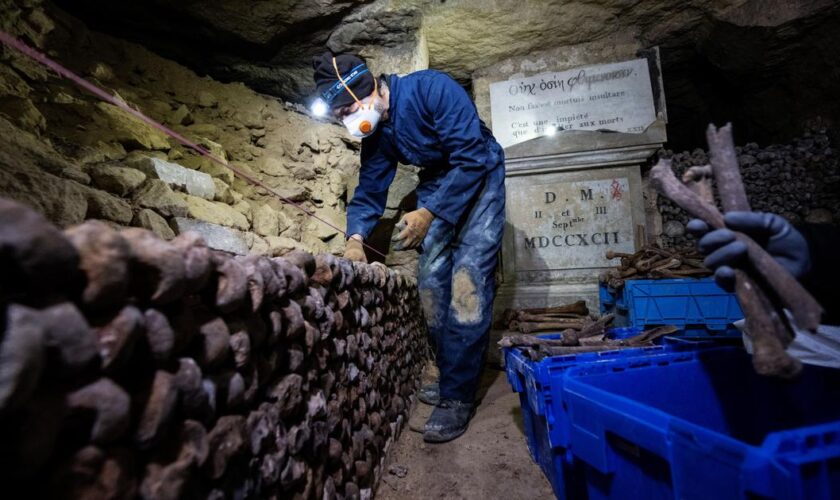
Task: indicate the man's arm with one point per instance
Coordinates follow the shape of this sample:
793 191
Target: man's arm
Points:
459 129
368 203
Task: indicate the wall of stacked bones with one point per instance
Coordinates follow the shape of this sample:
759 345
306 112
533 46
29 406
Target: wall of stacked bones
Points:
131 365
799 180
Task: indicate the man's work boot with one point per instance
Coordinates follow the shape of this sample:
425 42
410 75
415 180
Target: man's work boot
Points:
429 394
449 420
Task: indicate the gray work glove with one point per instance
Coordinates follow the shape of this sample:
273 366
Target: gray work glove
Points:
354 250
412 229
775 234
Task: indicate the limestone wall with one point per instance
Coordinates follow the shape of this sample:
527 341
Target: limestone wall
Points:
73 157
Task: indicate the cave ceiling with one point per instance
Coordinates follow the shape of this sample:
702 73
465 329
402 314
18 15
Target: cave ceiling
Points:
711 49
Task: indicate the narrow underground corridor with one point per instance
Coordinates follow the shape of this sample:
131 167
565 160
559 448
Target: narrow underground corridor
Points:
209 288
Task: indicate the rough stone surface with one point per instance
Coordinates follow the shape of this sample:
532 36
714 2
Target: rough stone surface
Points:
266 221
102 205
273 142
24 113
323 231
129 131
280 245
272 165
115 179
207 99
194 183
217 213
77 141
100 152
182 116
223 192
62 201
209 167
150 220
218 237
400 195
257 244
12 84
157 195
758 52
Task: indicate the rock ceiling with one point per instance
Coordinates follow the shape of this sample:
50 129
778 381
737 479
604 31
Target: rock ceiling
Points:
708 46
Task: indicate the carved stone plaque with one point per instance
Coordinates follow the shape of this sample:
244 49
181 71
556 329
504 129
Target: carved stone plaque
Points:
615 97
569 225
561 224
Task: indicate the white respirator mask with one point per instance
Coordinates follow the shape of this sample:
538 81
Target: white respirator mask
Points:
362 122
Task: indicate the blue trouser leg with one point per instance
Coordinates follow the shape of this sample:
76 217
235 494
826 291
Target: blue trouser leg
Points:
434 280
457 287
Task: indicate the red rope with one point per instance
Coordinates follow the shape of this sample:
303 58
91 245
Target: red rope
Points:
33 54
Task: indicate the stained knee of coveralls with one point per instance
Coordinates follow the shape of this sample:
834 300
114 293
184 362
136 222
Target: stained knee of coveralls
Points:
467 297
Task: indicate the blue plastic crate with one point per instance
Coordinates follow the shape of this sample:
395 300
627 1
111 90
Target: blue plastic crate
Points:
697 306
539 384
562 470
701 424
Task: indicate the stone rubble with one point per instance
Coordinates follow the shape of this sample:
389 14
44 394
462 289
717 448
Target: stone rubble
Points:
105 164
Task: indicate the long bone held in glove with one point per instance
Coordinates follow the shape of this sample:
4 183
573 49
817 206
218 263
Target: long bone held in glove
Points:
769 333
805 309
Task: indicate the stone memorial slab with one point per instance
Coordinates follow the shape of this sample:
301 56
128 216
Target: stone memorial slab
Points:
571 224
613 97
560 224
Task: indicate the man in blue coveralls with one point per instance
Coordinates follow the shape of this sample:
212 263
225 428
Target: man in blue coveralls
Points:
427 119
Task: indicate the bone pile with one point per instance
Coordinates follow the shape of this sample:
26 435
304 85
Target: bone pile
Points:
652 262
574 316
135 367
765 290
592 338
799 181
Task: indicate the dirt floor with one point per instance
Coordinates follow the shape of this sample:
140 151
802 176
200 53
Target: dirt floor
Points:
489 461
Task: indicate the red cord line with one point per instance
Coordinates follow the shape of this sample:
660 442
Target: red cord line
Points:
37 56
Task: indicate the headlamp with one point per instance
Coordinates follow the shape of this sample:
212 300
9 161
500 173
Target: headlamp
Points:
319 108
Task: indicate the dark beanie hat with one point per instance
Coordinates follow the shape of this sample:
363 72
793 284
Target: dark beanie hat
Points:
354 72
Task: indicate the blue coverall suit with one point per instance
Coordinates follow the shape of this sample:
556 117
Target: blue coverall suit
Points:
434 125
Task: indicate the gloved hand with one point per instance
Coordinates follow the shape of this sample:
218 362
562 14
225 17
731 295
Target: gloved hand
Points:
413 228
354 250
775 234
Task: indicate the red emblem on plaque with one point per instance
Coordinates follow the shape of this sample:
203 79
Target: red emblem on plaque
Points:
615 190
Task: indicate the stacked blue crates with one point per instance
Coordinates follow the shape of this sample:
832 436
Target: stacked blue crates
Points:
702 424
546 422
697 306
685 420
